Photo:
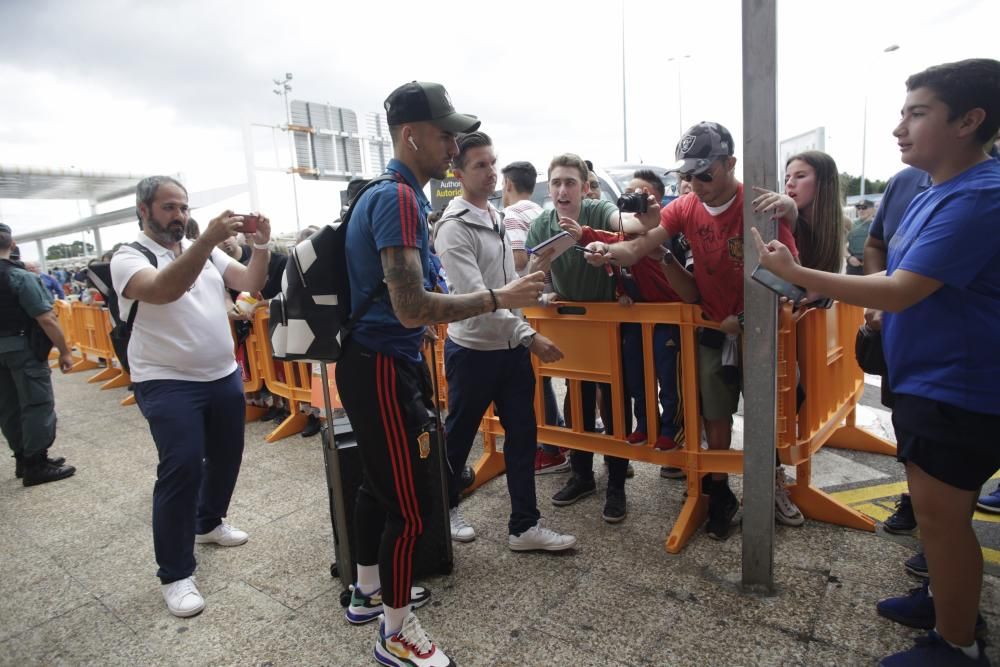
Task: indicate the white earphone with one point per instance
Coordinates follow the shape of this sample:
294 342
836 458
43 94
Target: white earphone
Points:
413 143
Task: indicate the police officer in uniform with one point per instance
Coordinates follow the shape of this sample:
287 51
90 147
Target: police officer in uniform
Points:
28 329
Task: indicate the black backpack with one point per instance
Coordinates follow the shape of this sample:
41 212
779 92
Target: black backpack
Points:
312 317
100 276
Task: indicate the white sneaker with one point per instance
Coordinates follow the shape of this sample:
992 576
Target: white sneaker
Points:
183 598
410 647
785 511
223 535
537 538
461 531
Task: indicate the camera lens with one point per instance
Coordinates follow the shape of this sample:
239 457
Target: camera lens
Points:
632 202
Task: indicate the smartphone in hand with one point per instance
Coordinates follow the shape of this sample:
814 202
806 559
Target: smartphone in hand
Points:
779 286
249 223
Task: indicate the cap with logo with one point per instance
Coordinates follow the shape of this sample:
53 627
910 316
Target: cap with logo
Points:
700 146
420 101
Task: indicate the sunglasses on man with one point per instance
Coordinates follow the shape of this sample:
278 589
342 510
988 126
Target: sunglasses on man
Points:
704 178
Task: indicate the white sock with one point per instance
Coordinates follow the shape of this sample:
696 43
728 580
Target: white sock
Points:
394 618
971 651
368 581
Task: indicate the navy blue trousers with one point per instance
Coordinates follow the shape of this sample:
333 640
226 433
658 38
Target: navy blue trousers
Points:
198 431
666 345
505 378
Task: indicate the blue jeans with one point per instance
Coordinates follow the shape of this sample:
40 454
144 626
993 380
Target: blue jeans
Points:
666 345
198 431
505 378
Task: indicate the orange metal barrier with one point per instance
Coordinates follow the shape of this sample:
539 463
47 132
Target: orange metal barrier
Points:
295 388
821 340
91 325
64 314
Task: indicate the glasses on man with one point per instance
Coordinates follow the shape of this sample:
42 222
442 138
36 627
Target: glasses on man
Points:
861 207
704 178
595 185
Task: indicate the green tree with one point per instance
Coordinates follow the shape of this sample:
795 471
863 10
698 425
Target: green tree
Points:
851 185
66 250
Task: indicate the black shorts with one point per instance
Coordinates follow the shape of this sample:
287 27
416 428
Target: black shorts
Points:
956 446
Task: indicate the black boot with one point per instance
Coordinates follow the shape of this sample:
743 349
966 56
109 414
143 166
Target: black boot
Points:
19 463
38 470
312 426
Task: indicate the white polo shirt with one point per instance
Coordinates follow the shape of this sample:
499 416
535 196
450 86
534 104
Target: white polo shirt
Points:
187 339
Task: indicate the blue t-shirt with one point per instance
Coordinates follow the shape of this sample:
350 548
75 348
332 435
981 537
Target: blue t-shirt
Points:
900 191
390 214
946 346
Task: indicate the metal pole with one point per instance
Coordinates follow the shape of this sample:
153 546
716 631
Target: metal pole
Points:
680 105
624 113
760 305
864 146
291 157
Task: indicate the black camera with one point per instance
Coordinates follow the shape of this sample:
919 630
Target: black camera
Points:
632 202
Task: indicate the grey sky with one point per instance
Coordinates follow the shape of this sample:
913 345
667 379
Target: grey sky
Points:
142 86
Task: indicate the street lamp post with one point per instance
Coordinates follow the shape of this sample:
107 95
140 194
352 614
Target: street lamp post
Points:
678 60
283 87
864 130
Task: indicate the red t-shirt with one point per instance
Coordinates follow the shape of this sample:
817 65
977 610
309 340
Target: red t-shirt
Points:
717 249
647 274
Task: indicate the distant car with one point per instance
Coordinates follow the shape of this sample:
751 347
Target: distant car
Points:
614 179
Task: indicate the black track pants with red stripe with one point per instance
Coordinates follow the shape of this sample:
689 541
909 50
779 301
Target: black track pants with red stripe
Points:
389 403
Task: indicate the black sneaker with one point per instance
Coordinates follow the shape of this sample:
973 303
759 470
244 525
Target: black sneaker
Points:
614 506
917 565
575 489
722 507
902 521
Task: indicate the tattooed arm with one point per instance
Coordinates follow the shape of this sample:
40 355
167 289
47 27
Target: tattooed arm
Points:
414 306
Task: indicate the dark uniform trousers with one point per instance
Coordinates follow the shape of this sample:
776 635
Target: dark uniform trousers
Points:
27 405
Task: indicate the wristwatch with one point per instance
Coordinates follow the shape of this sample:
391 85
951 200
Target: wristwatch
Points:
528 340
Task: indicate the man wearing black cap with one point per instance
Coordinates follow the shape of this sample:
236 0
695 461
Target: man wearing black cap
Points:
711 218
384 384
27 405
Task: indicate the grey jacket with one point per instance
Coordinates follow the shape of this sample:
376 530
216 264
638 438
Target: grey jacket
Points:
475 253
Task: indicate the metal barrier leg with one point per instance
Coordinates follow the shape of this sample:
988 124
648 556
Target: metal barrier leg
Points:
122 379
106 374
693 515
816 504
850 436
491 464
294 423
84 364
253 413
129 400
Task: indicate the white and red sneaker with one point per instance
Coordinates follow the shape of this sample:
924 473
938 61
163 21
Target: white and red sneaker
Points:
410 647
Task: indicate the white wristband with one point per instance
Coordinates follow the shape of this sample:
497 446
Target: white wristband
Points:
261 246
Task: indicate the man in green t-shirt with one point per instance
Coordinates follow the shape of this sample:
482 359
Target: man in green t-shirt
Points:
858 235
573 279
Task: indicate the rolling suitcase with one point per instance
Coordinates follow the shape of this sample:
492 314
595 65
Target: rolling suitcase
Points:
342 461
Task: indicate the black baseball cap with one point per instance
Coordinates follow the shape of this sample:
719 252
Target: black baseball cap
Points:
5 229
700 146
420 101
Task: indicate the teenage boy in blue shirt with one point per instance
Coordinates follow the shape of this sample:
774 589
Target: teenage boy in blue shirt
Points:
941 298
